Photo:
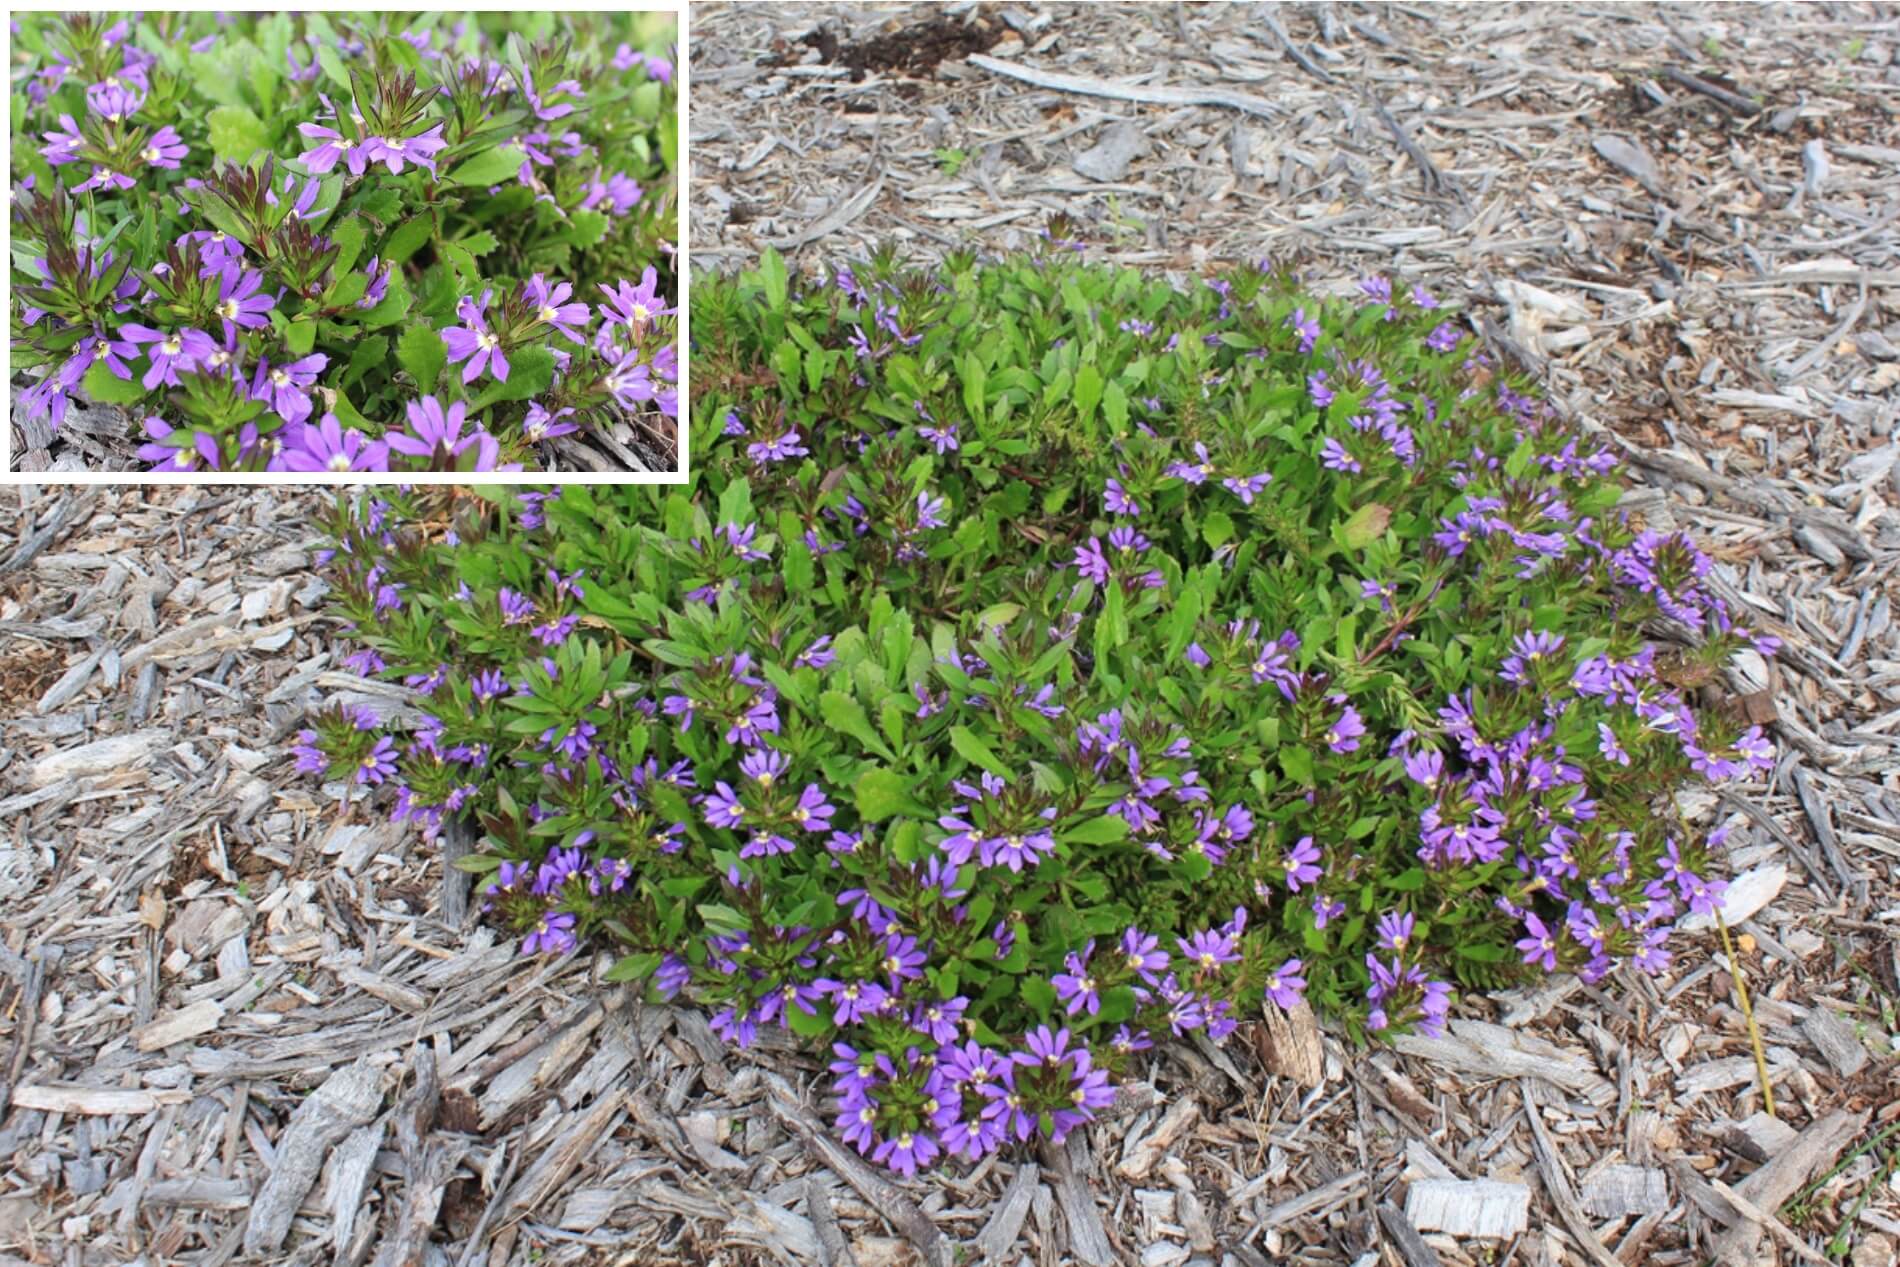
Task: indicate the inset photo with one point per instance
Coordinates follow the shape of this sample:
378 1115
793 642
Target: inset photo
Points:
345 243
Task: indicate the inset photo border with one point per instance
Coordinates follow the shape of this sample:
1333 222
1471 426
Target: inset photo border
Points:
346 246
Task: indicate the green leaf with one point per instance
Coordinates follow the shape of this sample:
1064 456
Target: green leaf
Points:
777 283
635 967
347 238
975 751
1217 529
1087 393
300 337
1298 764
479 243
1366 526
586 228
236 133
1115 408
332 64
422 352
394 306
842 712
409 237
365 356
883 793
109 389
1104 830
492 167
530 370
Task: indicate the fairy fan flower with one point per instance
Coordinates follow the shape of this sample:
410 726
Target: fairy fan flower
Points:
635 307
181 349
474 342
240 304
328 446
552 309
286 388
394 151
165 148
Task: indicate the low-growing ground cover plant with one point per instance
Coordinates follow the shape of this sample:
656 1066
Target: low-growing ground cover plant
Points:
347 242
1045 662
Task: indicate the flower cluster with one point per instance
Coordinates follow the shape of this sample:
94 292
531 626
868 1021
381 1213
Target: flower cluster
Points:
1004 701
257 293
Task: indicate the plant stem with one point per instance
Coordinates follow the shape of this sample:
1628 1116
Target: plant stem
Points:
1748 1015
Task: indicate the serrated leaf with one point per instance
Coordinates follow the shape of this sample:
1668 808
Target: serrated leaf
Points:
366 355
422 352
843 712
492 167
1107 829
1366 526
586 228
332 65
236 133
973 749
530 370
300 337
109 389
347 238
409 237
882 794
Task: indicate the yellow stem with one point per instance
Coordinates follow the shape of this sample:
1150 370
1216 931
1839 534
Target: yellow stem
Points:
1748 1015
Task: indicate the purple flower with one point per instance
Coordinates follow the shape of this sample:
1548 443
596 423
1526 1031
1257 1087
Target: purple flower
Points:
930 511
722 806
553 934
1208 949
1395 930
540 425
634 307
906 1151
1142 955
1245 487
285 388
1194 472
164 149
430 428
1304 326
379 271
239 302
1343 735
1540 947
813 812
181 349
474 342
942 438
552 309
1118 502
329 447
1333 455
1610 747
1076 989
378 763
333 149
394 151
105 178
1301 864
1526 652
787 444
1285 985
